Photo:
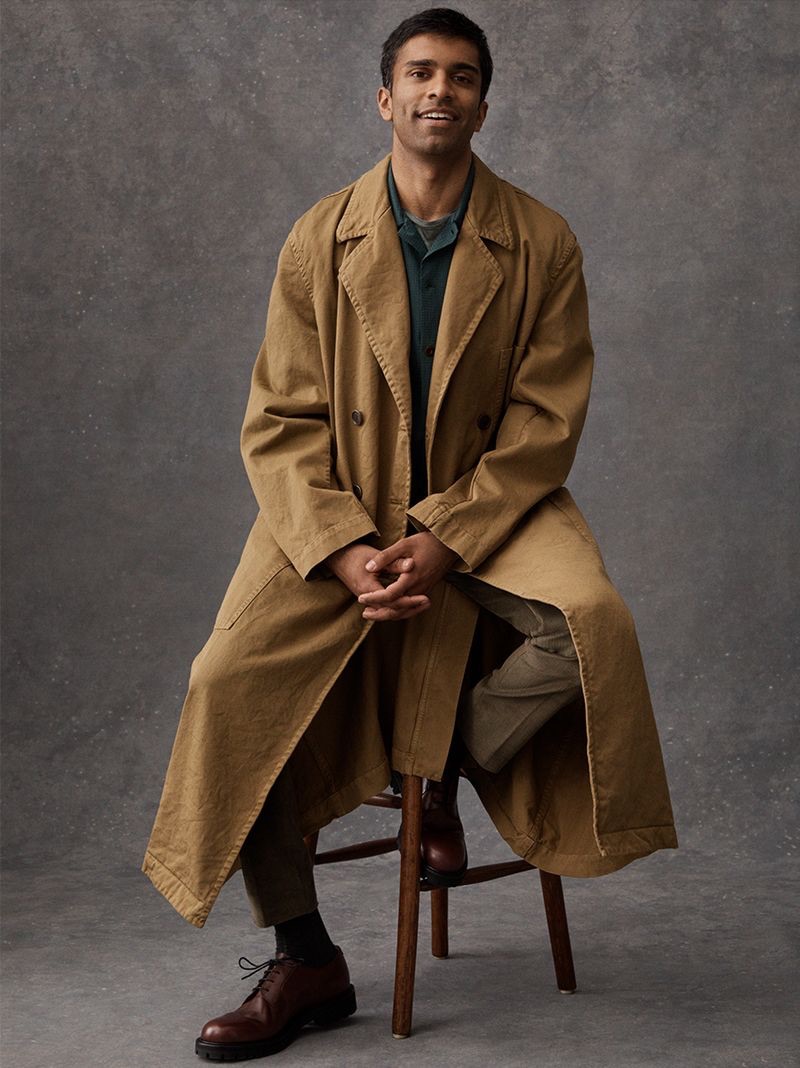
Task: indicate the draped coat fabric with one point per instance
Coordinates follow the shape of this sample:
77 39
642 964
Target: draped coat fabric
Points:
293 671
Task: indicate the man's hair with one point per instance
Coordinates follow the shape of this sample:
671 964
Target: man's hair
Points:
444 22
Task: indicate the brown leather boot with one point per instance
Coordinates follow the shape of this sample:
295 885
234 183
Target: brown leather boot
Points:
444 849
288 995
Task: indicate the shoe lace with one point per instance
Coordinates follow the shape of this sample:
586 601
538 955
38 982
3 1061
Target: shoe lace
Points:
270 966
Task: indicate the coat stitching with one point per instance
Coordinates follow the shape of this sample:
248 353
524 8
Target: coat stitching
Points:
295 247
248 600
565 255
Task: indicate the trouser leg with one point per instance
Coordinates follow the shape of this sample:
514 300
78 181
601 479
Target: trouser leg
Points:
506 708
276 864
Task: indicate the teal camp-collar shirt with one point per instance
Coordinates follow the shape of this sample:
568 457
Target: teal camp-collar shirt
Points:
427 259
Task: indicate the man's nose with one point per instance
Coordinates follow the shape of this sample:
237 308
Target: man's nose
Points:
439 87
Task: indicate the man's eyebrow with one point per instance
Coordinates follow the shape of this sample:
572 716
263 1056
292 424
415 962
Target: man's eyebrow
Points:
433 63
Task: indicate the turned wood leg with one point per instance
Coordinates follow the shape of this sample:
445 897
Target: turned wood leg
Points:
556 913
408 909
439 941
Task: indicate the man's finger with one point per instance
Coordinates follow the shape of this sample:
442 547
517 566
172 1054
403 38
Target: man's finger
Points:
387 613
390 593
375 585
386 556
412 601
400 566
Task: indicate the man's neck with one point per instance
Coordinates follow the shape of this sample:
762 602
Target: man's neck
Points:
429 188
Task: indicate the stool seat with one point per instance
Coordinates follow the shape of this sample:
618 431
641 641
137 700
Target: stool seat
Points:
412 884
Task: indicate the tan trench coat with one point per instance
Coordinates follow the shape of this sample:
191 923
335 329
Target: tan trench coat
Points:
294 670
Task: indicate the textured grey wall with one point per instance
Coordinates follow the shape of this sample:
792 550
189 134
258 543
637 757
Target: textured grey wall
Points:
155 156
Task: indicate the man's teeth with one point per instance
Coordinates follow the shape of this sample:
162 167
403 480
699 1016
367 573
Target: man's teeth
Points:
435 115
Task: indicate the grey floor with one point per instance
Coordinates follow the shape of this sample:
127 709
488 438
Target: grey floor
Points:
684 958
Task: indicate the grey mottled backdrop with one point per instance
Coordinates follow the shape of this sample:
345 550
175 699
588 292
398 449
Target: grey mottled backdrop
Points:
155 153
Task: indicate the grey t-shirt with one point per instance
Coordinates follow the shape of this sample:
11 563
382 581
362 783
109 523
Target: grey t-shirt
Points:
430 230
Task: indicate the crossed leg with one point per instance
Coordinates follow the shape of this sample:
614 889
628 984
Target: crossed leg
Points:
506 707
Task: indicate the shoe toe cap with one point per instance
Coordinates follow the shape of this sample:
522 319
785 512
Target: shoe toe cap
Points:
231 1028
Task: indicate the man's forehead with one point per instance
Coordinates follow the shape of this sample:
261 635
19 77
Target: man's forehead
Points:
423 50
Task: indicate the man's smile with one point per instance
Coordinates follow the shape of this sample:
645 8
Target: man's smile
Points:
436 116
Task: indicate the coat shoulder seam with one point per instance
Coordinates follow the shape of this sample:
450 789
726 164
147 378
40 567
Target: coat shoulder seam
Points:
569 248
295 247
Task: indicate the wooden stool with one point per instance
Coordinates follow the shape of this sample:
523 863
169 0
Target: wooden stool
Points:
411 885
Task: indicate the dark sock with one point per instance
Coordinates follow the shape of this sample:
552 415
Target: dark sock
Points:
306 937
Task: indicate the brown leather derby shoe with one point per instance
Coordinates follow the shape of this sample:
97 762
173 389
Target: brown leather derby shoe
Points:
444 848
288 995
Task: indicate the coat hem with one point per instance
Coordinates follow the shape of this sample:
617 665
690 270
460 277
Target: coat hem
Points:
632 839
581 865
632 845
615 850
176 892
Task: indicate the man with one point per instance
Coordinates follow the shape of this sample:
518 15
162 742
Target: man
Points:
418 593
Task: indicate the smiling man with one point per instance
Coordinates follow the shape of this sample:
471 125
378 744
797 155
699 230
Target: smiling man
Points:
419 593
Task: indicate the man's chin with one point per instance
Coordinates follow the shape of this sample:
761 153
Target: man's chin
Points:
437 147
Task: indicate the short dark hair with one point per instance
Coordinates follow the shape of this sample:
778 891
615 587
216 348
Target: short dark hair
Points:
444 22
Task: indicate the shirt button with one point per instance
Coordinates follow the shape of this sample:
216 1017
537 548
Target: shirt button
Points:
357 417
429 350
484 421
357 490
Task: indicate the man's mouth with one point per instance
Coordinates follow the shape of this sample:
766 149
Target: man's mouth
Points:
436 116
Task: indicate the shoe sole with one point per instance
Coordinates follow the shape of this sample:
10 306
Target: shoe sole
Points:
440 878
324 1014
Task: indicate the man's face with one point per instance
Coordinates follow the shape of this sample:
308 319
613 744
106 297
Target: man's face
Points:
434 76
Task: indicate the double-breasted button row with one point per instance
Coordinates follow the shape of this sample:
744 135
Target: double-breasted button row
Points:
357 490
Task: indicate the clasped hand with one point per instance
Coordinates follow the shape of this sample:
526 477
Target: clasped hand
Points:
411 567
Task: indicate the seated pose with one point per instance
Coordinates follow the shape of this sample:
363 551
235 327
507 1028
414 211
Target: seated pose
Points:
419 594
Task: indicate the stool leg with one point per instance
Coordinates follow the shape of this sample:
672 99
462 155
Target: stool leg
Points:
439 941
408 910
556 914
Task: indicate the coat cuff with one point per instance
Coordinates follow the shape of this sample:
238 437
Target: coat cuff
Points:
310 558
427 515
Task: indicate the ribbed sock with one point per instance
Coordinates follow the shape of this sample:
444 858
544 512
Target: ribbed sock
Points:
307 937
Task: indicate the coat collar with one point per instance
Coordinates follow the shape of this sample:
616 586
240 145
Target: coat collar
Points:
370 199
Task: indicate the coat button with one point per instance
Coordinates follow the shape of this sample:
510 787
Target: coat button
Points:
357 417
357 490
484 421
429 350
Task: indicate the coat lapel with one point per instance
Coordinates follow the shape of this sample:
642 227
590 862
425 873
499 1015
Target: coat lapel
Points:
472 282
474 278
374 277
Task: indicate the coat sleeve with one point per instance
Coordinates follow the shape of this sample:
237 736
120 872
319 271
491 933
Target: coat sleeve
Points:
286 439
538 434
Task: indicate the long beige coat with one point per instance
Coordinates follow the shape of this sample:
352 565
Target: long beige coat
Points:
292 669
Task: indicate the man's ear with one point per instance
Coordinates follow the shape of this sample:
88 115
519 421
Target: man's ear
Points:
483 107
384 98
